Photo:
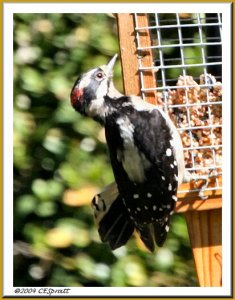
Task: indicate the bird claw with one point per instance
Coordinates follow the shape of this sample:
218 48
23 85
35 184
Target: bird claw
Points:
206 178
202 191
195 177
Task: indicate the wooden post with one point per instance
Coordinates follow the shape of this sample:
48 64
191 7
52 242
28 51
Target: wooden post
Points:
130 65
204 217
130 54
204 221
206 240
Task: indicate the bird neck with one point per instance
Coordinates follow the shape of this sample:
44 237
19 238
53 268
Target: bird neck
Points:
112 91
101 107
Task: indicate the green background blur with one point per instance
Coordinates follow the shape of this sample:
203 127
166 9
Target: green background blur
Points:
61 160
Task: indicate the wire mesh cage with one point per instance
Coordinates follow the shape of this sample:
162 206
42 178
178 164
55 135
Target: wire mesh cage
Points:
186 54
175 61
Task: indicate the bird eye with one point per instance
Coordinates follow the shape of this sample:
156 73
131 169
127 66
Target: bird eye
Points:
99 75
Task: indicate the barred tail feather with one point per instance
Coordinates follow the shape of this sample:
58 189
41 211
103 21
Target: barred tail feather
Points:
116 228
114 224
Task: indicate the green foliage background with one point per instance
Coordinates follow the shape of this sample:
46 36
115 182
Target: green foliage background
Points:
56 150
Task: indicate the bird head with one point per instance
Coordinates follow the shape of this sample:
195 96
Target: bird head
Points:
87 95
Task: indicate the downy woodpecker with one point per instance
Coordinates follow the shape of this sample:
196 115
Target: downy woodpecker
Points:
146 154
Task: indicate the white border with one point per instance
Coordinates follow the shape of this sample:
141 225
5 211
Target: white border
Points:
9 10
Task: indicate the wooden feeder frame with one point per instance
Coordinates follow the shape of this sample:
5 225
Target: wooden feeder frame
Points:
204 217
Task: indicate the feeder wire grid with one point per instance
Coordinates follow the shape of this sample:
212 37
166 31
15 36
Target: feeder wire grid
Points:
187 63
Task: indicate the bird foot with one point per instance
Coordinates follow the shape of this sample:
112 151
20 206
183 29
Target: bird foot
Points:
188 177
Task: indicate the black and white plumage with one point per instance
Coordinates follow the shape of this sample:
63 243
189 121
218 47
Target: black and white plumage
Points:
146 155
112 219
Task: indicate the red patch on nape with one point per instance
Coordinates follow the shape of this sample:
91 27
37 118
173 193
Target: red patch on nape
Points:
76 95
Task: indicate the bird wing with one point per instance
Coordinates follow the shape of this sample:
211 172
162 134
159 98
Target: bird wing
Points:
153 137
144 162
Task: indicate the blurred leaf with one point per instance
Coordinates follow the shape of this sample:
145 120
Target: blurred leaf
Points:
85 265
26 204
129 271
61 161
47 190
164 258
54 141
58 85
35 233
80 197
32 80
46 209
59 237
